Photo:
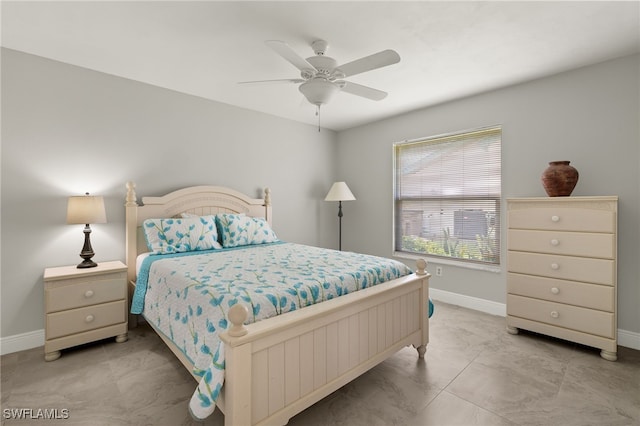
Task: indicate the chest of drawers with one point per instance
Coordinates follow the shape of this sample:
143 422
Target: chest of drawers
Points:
562 264
84 305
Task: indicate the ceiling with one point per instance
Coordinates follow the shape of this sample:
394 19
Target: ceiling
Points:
448 49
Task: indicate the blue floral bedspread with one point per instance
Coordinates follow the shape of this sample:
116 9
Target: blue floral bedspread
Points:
187 295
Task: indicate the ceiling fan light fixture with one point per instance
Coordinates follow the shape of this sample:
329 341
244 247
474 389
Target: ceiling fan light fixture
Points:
318 91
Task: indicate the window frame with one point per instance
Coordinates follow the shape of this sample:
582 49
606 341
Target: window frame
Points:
497 200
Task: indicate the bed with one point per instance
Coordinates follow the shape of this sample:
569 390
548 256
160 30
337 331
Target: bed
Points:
279 366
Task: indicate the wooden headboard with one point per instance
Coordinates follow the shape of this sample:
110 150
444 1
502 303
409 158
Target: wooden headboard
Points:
200 200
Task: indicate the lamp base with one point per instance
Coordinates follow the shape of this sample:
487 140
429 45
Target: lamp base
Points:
87 263
87 252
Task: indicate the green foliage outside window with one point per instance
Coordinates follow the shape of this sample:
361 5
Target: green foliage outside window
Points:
482 249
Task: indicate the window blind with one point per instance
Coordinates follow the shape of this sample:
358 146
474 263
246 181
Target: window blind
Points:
447 196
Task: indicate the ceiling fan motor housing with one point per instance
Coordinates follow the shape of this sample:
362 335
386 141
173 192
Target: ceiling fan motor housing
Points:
324 65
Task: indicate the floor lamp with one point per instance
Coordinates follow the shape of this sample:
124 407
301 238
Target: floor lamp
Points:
340 192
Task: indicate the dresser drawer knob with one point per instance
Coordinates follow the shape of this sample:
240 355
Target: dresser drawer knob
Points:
88 293
555 242
554 314
555 266
555 290
555 218
89 318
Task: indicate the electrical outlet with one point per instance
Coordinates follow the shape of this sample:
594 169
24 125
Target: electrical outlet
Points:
438 271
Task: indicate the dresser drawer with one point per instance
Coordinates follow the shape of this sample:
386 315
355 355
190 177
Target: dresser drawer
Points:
598 271
592 296
560 242
544 217
83 319
85 294
581 319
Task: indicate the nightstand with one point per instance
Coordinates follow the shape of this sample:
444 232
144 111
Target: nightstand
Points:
84 305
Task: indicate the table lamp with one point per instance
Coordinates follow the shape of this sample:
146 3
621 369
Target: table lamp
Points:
86 209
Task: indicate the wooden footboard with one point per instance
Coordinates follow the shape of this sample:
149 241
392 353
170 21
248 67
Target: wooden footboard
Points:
277 368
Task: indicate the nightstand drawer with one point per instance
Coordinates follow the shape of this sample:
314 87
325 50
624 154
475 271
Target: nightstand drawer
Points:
566 243
87 318
598 271
546 217
593 296
85 294
572 317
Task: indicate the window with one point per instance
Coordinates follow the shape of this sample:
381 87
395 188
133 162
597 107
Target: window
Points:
447 196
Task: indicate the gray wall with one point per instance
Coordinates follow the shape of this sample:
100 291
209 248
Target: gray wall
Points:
589 116
67 130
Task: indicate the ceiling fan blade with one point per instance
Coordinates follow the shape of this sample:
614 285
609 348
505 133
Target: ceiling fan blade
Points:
285 80
371 62
364 91
289 54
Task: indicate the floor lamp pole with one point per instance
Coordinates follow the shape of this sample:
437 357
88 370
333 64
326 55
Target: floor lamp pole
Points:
339 192
340 225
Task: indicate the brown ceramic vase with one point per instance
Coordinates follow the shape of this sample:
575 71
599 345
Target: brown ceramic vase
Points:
559 179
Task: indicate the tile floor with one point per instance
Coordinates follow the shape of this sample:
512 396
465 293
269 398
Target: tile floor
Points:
474 374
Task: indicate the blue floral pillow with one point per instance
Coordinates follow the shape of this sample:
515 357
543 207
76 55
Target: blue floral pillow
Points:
240 230
181 235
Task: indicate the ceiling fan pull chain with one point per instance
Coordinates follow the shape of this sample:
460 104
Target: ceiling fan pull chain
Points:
318 114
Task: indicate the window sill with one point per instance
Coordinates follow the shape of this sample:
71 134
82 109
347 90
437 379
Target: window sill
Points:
440 261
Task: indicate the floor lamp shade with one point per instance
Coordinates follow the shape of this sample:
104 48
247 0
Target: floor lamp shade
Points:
86 209
339 192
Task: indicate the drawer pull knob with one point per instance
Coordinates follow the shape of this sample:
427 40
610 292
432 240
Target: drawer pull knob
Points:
88 293
555 266
555 242
555 218
555 314
89 318
555 290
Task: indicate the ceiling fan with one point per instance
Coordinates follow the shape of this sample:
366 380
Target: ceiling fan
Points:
322 77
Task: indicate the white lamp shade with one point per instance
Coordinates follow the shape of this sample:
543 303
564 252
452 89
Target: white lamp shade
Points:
339 192
318 91
85 209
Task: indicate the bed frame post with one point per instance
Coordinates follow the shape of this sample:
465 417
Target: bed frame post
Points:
131 206
131 230
421 271
238 362
267 205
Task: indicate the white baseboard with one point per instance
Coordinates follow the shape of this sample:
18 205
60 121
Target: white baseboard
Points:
21 342
482 305
628 339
